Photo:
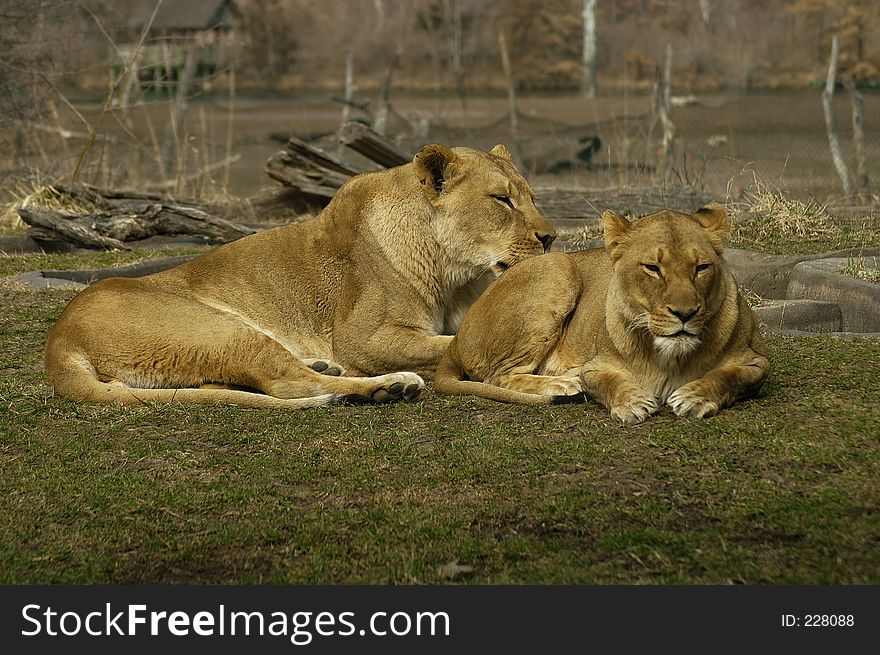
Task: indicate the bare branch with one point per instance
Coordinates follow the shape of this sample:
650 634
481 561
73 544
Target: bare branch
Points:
88 146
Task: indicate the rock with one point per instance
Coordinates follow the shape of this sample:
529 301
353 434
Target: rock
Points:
768 275
765 275
823 280
81 278
801 315
37 280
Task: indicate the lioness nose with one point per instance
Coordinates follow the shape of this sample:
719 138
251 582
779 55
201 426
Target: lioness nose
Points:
683 314
545 239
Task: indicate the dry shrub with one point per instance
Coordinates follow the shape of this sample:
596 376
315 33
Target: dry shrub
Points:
9 217
752 298
39 195
583 237
769 215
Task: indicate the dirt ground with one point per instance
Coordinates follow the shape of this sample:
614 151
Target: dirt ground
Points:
722 140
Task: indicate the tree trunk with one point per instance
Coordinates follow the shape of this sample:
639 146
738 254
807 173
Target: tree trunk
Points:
665 111
172 142
511 84
111 229
453 22
371 145
349 85
706 11
381 119
308 169
588 54
858 123
830 126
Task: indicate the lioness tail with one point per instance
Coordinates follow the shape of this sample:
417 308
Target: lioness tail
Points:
449 380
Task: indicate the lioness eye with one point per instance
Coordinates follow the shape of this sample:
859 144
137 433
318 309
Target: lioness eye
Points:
652 267
702 267
504 199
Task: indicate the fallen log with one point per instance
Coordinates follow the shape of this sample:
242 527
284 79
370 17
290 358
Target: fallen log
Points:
373 146
281 203
309 170
115 228
311 176
91 196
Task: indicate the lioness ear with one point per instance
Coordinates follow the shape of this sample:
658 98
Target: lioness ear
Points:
713 218
617 236
501 151
431 165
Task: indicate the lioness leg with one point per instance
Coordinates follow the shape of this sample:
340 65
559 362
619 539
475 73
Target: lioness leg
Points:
613 386
542 385
188 344
511 349
720 387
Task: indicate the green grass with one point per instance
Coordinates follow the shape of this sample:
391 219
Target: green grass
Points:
13 264
857 268
784 488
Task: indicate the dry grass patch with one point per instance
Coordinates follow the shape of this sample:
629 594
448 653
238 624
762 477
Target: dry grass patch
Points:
767 215
40 195
768 219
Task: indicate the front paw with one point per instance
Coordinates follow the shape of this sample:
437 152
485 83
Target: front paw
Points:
689 401
635 408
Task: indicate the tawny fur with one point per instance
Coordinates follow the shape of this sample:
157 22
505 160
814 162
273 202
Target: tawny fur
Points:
654 317
371 291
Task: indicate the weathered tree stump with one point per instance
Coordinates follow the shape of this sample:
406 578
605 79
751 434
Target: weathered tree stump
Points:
377 148
114 228
308 169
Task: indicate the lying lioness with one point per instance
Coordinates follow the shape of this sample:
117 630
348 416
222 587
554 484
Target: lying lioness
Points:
654 317
375 284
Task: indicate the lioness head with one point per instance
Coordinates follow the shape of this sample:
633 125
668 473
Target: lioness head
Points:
485 210
667 273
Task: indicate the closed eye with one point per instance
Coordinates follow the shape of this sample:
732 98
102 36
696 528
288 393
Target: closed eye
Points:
503 199
653 268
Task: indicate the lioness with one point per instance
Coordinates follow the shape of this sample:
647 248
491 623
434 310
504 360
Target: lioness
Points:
375 284
653 317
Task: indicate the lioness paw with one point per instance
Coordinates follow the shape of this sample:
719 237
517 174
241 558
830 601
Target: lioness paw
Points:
325 367
389 389
687 401
635 409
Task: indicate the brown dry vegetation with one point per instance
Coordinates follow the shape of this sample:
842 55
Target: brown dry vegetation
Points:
279 69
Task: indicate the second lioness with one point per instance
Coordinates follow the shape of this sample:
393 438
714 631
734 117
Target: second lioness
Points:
653 317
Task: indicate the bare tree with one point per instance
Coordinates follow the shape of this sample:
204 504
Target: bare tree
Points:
830 126
382 106
511 84
858 123
453 23
707 9
173 137
664 97
588 56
